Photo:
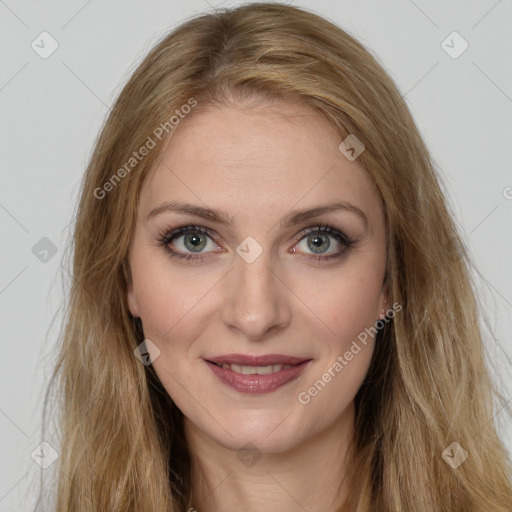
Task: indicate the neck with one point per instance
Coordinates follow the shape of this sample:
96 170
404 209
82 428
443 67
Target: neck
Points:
311 475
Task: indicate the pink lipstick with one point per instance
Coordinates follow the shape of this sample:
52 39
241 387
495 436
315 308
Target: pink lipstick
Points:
257 374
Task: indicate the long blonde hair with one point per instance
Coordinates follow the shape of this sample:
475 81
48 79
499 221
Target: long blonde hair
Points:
121 439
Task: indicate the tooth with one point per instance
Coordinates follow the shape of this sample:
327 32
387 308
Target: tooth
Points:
252 370
249 370
264 370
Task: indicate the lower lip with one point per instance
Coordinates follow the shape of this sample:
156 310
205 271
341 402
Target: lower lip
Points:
258 384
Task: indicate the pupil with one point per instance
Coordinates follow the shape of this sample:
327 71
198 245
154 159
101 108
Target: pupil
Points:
317 241
194 241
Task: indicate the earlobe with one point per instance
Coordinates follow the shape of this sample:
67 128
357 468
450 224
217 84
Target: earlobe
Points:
132 302
384 304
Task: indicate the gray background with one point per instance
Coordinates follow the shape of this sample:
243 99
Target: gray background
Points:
51 111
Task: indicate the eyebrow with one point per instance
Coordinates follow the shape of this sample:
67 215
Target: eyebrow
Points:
290 219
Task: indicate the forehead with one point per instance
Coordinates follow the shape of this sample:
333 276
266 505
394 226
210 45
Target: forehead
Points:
257 160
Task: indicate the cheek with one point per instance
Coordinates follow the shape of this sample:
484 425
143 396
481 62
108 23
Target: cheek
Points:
346 301
349 308
171 308
169 297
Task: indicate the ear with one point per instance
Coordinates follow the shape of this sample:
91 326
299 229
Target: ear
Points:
384 303
132 302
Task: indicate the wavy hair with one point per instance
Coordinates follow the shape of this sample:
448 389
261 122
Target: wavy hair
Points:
122 445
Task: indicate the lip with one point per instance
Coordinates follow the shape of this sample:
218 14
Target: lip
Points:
261 360
258 384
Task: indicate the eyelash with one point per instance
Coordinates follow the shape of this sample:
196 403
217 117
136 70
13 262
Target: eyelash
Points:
166 237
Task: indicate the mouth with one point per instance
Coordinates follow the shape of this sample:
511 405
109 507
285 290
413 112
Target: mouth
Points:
257 374
254 370
257 360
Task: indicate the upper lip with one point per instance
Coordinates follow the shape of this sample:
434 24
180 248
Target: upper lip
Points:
261 360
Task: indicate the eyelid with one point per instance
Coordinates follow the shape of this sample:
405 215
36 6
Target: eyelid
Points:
180 230
170 234
166 236
324 228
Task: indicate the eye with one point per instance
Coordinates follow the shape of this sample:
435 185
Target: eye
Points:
189 242
318 240
195 242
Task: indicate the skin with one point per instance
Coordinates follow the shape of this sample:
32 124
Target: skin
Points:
258 164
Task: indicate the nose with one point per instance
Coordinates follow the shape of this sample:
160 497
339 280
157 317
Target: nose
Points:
256 301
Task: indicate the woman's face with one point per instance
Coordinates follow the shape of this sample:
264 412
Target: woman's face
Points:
257 274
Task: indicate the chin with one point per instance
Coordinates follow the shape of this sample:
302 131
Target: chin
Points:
263 431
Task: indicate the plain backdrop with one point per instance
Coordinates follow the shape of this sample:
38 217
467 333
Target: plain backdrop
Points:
52 106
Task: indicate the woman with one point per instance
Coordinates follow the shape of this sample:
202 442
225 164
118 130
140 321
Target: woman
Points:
272 306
